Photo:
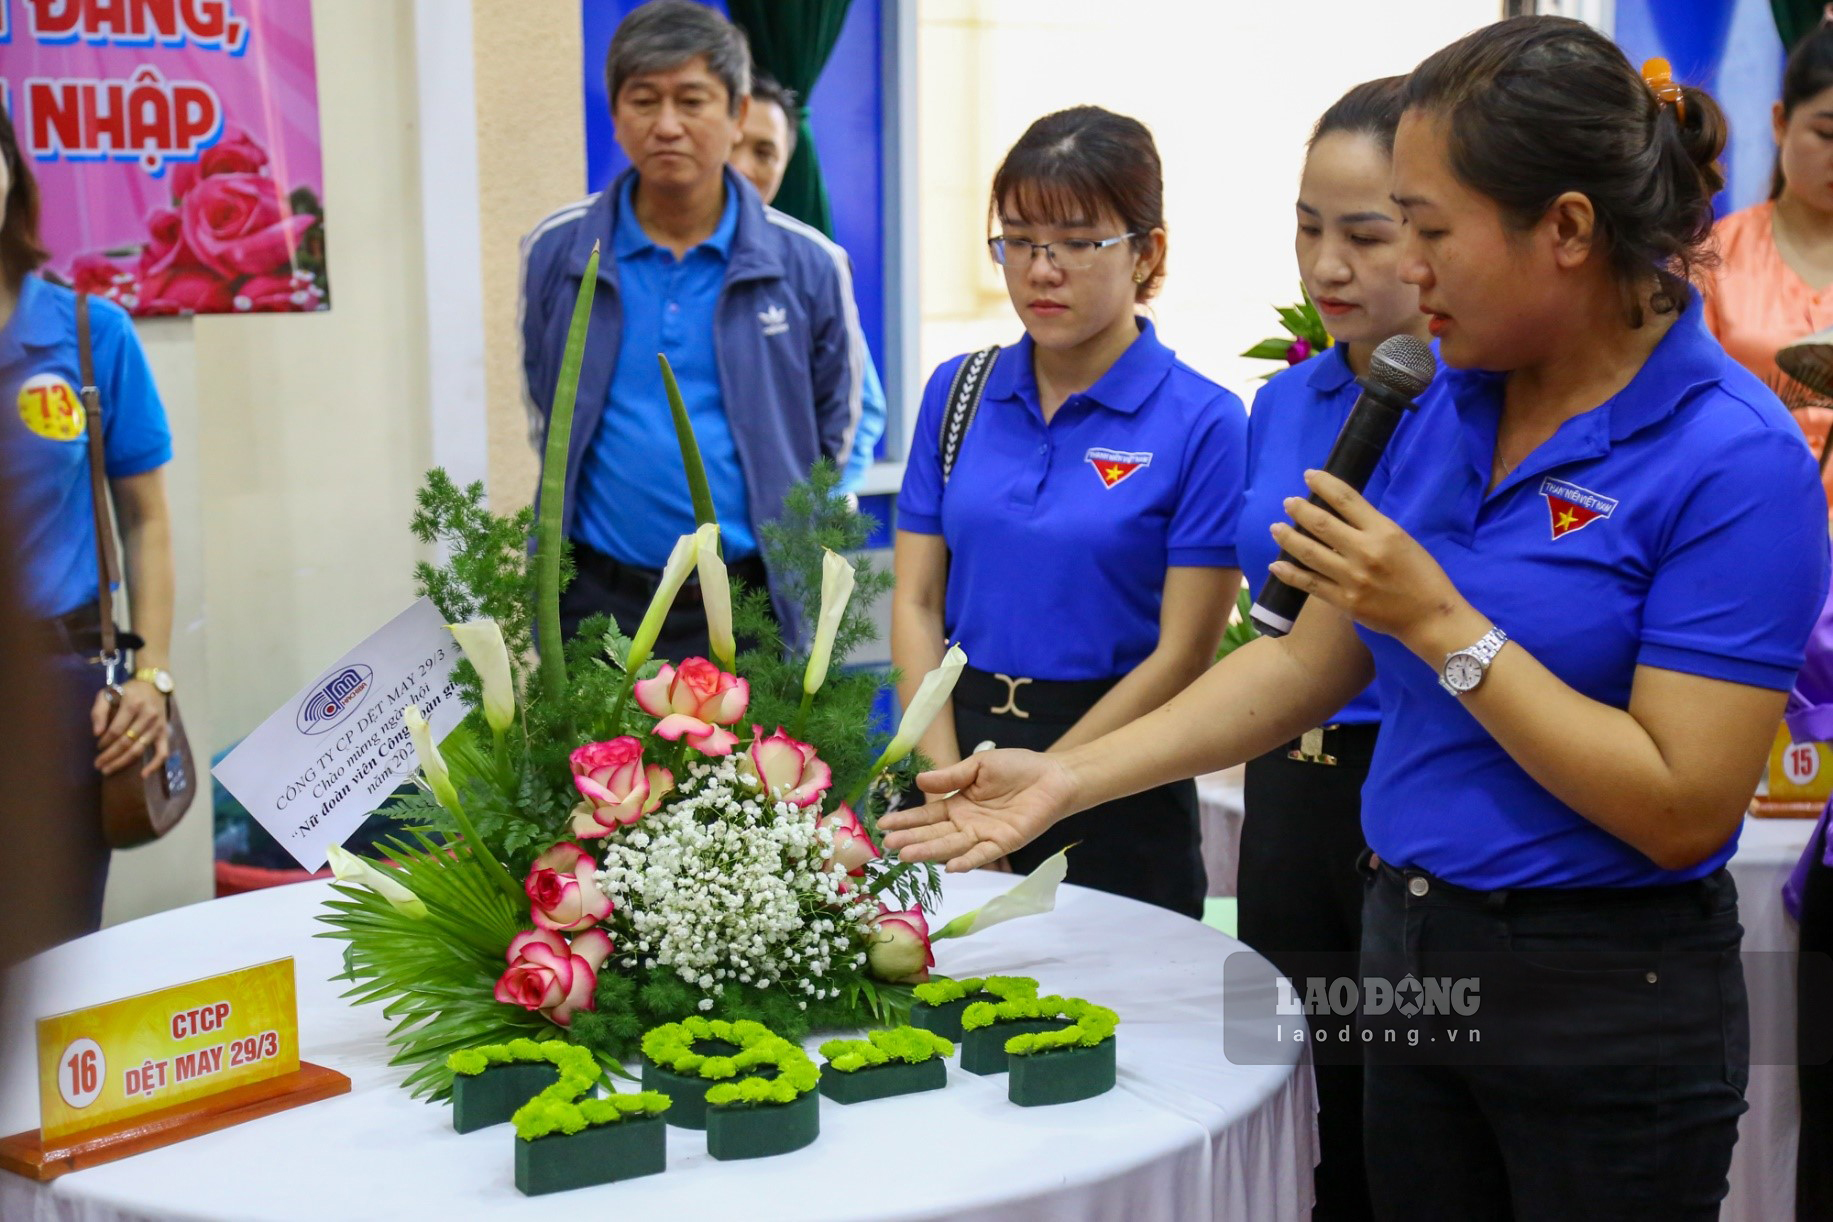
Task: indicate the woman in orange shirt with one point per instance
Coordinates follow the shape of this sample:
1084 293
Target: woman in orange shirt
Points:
1774 282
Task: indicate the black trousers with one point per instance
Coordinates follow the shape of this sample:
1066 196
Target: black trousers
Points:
1146 847
1814 1009
77 838
1300 896
1610 1074
603 586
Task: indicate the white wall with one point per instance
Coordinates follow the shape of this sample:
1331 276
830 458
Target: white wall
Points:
1230 91
299 440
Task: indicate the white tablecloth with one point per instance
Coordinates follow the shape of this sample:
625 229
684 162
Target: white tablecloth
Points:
1219 811
1763 1166
1186 1135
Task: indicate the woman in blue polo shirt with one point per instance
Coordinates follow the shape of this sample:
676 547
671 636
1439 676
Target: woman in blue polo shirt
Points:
1598 557
1081 549
45 497
1299 886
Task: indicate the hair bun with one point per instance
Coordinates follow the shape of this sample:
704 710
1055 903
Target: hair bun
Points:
1703 136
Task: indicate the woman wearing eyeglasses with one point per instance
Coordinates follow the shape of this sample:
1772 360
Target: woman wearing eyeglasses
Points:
1075 534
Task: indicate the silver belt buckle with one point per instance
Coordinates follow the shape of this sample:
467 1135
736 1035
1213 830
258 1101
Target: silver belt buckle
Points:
1011 704
1310 749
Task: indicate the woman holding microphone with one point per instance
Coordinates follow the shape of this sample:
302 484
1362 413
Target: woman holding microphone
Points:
1299 886
1578 692
1074 527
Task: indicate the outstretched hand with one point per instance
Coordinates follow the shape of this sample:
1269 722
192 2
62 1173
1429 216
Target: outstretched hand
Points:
996 801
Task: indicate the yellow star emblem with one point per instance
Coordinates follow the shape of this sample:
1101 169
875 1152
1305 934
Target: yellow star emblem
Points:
1566 519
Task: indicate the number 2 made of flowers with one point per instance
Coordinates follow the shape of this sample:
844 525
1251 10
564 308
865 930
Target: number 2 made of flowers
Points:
567 1136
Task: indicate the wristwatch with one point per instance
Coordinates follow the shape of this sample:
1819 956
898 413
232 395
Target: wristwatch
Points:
159 677
1465 668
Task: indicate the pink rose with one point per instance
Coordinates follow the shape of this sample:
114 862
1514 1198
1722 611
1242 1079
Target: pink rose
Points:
898 949
280 292
238 225
98 275
165 243
694 700
548 975
235 153
563 892
617 788
853 846
185 289
786 770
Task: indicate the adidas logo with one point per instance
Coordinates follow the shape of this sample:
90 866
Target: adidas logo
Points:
775 320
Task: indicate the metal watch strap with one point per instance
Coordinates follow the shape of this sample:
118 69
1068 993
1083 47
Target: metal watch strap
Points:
1484 651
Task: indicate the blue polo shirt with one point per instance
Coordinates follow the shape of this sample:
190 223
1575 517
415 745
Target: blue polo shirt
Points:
1060 534
44 442
1680 525
1296 418
633 496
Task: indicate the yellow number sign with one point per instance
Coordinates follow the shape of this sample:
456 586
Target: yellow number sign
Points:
1800 777
142 1054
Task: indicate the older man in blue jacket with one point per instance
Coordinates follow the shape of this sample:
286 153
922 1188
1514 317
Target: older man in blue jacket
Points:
754 311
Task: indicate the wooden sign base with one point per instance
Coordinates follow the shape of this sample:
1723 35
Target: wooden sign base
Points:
25 1154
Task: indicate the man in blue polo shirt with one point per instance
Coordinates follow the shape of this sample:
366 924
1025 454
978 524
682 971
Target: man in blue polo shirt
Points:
753 310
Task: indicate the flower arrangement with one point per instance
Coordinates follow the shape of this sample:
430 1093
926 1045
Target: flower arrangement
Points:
231 242
1305 329
906 1045
559 1107
611 842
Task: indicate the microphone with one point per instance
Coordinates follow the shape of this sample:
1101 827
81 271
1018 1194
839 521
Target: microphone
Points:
1402 367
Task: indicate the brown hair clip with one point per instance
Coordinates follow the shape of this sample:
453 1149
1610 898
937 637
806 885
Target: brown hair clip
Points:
1658 75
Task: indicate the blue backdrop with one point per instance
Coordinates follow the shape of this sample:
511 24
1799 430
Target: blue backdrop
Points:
1729 48
846 113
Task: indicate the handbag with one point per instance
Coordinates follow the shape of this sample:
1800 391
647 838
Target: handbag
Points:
136 809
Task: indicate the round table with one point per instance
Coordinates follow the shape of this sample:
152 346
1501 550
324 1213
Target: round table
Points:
1185 1135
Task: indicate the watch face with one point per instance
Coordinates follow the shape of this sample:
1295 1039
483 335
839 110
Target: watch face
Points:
1463 672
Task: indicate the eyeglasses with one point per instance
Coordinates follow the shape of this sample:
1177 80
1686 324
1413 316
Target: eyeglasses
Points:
1065 254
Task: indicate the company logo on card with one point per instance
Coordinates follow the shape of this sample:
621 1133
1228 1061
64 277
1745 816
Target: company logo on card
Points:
334 699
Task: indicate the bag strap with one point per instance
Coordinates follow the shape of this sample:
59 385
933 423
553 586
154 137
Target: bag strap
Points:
98 488
964 395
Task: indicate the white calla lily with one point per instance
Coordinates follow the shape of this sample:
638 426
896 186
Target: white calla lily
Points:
1036 893
482 641
716 597
431 762
349 868
836 592
674 574
934 692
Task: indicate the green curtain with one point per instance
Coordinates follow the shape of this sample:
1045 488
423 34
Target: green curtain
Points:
1795 19
791 40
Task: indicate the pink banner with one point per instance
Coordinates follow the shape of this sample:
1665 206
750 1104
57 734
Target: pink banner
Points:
175 144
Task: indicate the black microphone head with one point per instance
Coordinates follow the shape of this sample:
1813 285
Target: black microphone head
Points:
1403 364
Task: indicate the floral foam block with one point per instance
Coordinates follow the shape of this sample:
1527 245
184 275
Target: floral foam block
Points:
601 1154
492 1097
1061 1075
762 1130
883 1081
983 1050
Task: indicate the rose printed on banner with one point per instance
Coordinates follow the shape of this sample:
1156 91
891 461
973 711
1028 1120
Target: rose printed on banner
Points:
238 225
231 243
549 976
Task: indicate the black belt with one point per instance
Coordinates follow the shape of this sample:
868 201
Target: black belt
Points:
642 583
1335 744
1421 886
80 631
1021 697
